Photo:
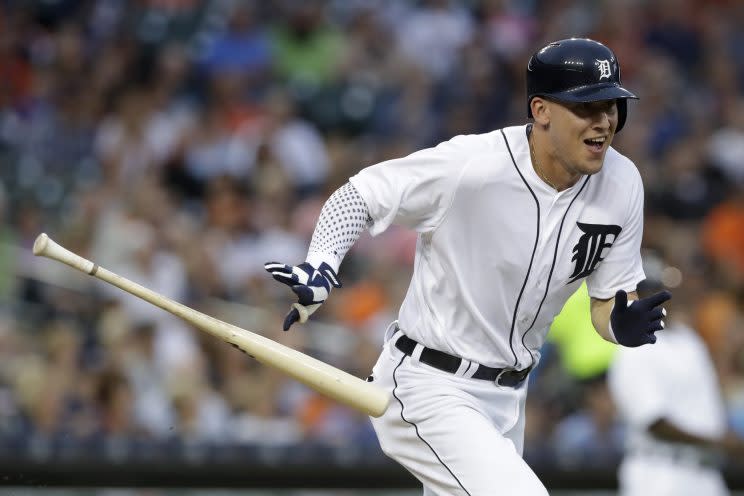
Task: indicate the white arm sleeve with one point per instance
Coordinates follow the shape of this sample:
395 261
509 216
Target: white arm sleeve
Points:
342 220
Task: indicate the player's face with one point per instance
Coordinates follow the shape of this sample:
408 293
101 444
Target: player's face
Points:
582 133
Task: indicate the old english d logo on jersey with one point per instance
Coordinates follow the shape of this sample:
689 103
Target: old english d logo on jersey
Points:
588 251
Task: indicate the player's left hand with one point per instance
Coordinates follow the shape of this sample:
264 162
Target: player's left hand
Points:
312 287
634 324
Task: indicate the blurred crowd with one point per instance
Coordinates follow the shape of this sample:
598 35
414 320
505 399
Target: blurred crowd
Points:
183 143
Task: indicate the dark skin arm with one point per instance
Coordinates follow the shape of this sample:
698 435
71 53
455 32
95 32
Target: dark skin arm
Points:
730 444
664 430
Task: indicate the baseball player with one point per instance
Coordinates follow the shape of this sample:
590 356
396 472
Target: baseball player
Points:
676 415
509 224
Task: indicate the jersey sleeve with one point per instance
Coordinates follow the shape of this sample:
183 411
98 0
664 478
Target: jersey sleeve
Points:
622 267
414 191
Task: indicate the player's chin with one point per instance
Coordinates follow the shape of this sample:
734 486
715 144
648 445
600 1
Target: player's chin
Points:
591 166
592 163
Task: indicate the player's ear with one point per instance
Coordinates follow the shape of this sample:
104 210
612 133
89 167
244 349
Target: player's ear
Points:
540 111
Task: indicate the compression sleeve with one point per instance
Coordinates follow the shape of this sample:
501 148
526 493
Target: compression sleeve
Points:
343 219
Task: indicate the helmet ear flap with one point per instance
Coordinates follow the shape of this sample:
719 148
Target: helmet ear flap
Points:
622 113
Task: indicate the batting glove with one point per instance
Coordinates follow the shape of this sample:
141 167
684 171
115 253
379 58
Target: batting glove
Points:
312 287
634 323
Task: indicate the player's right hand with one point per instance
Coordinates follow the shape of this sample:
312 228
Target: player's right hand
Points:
634 323
311 285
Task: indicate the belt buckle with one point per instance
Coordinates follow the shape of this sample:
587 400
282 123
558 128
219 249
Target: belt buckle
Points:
500 374
519 376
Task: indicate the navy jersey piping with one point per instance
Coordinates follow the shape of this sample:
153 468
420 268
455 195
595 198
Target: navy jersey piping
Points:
552 267
418 434
534 249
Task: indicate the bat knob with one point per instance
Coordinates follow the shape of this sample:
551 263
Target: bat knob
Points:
40 244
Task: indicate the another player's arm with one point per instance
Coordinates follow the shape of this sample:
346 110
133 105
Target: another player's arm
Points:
666 430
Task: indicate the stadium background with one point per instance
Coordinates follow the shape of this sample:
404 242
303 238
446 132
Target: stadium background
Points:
184 143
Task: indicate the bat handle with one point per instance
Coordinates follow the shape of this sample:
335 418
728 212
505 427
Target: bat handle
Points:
45 247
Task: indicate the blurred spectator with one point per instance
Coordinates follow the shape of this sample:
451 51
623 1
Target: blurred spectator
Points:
690 187
723 239
256 417
510 29
114 395
433 33
8 249
218 148
243 47
15 70
674 33
297 146
593 436
307 49
127 144
726 145
152 410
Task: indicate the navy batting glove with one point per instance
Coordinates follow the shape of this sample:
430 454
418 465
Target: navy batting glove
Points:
312 287
634 324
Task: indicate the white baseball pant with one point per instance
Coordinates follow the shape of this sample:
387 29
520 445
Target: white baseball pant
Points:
457 435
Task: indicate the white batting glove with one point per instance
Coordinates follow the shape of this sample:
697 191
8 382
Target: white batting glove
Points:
312 287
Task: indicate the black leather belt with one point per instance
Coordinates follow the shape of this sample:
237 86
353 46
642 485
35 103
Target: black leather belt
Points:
449 363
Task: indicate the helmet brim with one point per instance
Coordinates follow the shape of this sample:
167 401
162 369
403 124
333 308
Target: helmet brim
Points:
592 93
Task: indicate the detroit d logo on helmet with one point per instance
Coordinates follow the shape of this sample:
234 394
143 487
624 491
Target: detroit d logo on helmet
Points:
605 69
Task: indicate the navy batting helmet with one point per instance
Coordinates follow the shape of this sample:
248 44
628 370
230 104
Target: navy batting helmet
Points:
577 70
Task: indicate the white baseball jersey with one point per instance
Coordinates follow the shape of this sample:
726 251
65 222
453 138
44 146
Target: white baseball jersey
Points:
674 379
499 251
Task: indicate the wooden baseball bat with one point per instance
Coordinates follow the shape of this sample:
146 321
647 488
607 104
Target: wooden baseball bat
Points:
326 379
